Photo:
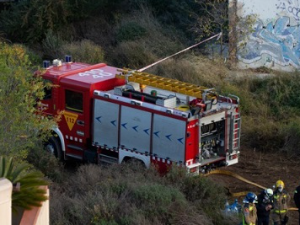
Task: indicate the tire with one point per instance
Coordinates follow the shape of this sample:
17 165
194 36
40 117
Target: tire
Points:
54 148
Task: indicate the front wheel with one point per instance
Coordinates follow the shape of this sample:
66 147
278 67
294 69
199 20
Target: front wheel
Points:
54 148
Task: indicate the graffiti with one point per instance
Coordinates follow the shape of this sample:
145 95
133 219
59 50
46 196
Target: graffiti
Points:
289 7
279 41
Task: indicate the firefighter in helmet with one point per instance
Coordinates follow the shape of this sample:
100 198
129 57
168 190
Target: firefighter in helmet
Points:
249 209
281 201
264 206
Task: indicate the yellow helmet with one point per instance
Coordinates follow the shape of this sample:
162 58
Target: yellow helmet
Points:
279 183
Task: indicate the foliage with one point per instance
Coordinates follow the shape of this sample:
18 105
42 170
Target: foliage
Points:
30 193
46 162
83 51
213 19
29 20
19 92
119 194
177 13
52 45
291 134
158 42
130 32
269 106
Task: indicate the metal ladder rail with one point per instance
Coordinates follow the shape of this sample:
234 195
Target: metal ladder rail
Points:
236 132
167 84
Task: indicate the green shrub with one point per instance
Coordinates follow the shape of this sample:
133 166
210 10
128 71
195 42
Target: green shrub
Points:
132 55
120 194
83 51
130 32
47 163
29 21
52 45
155 199
291 134
30 194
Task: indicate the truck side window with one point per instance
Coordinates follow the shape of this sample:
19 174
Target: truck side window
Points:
74 101
47 90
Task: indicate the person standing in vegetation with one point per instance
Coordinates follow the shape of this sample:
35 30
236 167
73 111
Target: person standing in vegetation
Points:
281 201
264 206
249 209
297 200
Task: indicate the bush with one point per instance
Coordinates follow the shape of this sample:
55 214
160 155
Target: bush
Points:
52 45
30 194
119 194
130 32
47 163
83 51
291 134
28 21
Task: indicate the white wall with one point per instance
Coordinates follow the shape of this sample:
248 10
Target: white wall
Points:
274 40
5 201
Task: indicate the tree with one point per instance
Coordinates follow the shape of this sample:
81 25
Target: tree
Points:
28 21
30 194
212 19
21 124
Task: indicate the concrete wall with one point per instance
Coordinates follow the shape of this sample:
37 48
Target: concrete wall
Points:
269 34
5 201
35 216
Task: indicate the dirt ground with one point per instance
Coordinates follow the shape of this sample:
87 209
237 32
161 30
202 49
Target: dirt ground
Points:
264 169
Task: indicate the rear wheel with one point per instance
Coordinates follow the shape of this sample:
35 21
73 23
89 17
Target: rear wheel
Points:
54 148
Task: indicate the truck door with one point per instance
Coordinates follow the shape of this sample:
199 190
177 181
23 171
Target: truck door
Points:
47 103
73 124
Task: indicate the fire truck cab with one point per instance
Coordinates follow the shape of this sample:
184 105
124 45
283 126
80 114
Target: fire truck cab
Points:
111 116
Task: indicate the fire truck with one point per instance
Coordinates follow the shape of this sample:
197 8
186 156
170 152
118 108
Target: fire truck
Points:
112 115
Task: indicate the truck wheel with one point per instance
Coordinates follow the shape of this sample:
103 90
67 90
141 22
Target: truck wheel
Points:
53 147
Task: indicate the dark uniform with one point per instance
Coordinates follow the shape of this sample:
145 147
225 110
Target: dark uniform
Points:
297 200
264 206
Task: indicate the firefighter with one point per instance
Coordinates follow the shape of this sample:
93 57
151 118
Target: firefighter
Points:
281 201
197 106
249 209
297 200
264 206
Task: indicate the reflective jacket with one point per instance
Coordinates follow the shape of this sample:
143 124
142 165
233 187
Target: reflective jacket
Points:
281 201
249 214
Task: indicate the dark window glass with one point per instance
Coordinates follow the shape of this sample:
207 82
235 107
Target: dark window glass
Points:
47 90
74 101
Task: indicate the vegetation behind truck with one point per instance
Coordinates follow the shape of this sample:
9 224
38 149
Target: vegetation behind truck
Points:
110 116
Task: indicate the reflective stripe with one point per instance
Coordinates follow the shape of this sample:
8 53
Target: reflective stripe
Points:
281 211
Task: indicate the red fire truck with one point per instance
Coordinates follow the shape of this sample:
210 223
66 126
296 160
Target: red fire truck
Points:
113 116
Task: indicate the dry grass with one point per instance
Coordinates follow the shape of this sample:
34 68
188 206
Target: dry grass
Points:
121 194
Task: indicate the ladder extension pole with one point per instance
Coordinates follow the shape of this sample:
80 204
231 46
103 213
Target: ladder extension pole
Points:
161 60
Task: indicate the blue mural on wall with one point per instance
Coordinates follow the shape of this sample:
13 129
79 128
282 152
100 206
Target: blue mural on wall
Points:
290 7
279 41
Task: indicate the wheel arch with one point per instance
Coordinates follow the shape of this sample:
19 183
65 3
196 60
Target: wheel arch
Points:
58 132
128 155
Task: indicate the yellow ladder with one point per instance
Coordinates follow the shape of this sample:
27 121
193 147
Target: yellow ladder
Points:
166 83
